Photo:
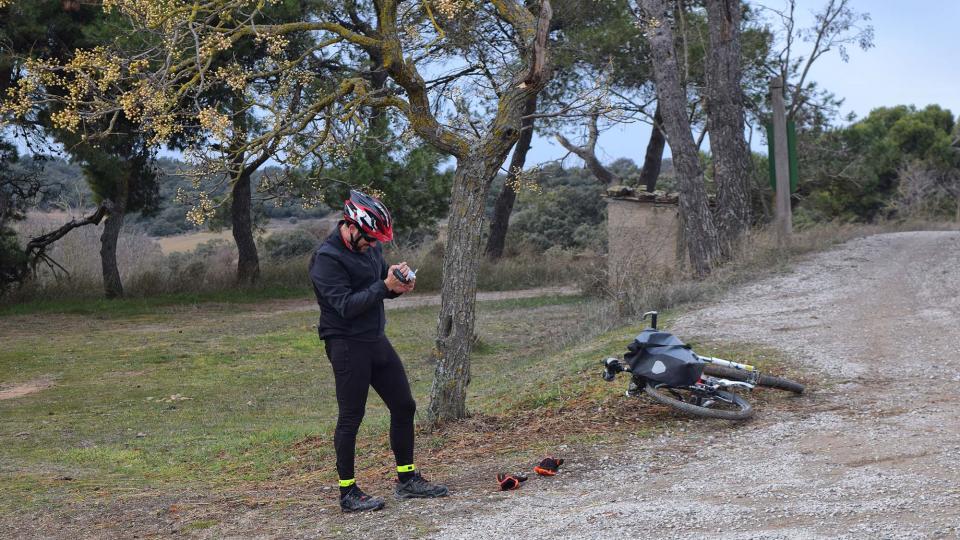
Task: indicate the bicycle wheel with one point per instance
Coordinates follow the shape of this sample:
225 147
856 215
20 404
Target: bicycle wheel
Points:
768 381
721 404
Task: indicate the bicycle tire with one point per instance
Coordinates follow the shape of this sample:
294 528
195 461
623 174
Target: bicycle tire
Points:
744 412
768 381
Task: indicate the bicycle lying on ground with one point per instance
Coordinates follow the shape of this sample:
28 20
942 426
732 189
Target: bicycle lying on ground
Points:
672 374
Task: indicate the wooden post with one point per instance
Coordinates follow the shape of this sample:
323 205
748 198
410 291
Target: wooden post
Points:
784 220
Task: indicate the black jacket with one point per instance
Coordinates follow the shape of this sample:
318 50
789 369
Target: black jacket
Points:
350 290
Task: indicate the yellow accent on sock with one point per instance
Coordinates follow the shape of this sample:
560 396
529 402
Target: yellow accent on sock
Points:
348 483
405 468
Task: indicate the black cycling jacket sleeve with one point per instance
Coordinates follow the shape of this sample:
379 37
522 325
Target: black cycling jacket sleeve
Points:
383 275
333 284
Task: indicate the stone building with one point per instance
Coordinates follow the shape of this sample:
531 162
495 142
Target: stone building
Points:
644 235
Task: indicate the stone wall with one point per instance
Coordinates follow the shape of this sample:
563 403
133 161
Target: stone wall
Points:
643 235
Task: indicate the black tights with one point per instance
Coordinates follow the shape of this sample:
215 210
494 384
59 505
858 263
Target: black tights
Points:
358 365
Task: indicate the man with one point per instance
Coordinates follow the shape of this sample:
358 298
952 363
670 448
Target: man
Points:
351 279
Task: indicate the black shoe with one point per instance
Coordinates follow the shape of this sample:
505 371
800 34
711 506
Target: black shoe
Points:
417 487
356 500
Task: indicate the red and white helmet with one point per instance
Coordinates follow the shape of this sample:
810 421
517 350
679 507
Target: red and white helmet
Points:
369 215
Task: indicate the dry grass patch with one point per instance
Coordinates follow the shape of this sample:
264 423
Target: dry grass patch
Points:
23 389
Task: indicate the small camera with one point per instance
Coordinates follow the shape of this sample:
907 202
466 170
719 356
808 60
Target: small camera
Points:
411 275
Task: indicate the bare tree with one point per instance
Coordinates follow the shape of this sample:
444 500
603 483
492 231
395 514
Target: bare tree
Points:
926 191
162 85
480 152
836 27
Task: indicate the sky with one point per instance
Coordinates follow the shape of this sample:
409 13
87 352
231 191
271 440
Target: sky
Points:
913 62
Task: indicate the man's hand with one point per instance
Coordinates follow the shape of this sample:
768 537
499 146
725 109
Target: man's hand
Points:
394 284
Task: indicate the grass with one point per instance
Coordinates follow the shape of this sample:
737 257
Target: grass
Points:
280 280
208 401
236 407
213 397
126 307
207 274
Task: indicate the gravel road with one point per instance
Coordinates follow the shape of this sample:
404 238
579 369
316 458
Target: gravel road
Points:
873 451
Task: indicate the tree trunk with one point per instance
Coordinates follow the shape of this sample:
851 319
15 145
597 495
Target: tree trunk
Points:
456 320
478 160
699 231
6 75
504 205
112 284
601 173
248 264
471 185
725 122
653 158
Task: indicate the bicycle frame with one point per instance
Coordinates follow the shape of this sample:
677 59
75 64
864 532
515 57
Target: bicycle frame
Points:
725 363
752 371
615 365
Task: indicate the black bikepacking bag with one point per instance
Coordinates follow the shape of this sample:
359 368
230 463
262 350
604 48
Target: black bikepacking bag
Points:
663 359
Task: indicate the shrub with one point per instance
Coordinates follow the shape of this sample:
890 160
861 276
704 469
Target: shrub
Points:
527 270
12 257
283 245
568 213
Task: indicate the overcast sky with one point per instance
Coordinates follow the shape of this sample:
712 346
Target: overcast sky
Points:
914 61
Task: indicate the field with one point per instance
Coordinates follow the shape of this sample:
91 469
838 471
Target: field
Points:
225 398
44 221
214 396
188 242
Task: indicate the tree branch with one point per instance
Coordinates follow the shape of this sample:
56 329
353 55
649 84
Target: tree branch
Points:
37 247
588 154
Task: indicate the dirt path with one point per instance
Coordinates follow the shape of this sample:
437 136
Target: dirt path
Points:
20 390
871 452
427 299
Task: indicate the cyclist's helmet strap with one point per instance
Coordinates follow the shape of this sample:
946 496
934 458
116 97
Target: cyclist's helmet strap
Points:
369 215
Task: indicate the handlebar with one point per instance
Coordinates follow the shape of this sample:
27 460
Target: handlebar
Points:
612 366
653 318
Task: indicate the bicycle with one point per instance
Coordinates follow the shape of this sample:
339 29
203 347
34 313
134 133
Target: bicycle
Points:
668 371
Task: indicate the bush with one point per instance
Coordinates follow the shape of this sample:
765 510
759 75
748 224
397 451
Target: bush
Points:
210 266
12 257
564 217
283 245
528 270
568 212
